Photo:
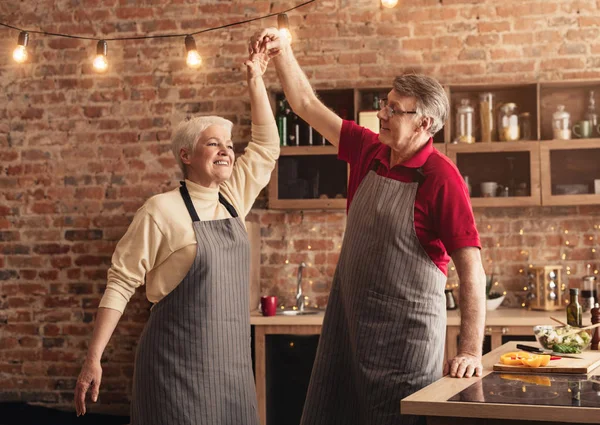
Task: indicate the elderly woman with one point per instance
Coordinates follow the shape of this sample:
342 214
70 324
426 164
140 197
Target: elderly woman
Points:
190 247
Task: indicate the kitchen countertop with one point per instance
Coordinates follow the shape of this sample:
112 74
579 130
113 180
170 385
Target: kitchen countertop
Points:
499 317
433 401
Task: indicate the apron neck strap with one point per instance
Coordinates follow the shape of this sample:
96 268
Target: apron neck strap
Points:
187 199
418 174
228 206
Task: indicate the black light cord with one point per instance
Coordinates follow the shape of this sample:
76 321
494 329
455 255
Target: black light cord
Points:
53 34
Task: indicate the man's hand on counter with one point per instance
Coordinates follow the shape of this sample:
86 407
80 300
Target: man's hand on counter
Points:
463 366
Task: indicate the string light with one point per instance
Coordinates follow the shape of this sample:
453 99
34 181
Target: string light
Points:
20 53
101 63
389 3
284 26
193 60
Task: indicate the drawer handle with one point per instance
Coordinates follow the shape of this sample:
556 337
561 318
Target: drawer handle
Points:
504 331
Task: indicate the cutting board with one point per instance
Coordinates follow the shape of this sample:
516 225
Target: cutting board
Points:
590 360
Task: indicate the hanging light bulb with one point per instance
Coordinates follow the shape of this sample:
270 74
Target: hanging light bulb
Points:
20 53
100 63
284 26
193 60
389 3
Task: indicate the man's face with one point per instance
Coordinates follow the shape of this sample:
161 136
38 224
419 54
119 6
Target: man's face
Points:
398 128
211 163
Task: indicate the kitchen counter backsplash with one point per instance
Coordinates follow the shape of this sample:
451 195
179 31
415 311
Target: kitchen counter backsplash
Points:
512 240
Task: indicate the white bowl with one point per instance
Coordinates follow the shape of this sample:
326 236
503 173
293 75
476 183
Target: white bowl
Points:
495 303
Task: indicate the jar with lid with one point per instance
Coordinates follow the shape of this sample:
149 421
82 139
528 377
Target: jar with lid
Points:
525 122
561 124
464 123
508 123
486 116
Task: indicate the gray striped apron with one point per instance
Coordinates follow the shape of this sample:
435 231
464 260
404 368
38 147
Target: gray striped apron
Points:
384 327
193 362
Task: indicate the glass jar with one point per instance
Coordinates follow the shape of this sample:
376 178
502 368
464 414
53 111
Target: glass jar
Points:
508 123
561 124
464 123
486 116
525 122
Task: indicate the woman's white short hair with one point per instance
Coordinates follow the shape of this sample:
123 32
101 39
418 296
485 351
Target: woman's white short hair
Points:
188 132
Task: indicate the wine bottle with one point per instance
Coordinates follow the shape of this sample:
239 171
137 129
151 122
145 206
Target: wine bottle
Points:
282 121
294 130
574 312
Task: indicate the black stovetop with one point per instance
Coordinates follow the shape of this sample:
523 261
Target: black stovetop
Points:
547 389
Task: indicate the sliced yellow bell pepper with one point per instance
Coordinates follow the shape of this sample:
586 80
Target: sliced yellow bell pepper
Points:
514 358
545 359
534 361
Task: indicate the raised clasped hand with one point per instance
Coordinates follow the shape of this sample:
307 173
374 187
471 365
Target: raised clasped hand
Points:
463 366
270 40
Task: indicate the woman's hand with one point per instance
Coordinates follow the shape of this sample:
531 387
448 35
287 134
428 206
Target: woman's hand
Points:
257 62
90 376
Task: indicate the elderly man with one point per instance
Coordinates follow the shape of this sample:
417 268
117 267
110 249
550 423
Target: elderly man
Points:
408 213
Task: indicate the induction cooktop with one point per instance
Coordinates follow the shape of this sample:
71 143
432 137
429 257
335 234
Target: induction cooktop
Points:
548 389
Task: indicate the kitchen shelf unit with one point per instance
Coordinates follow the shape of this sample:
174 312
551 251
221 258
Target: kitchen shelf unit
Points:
540 164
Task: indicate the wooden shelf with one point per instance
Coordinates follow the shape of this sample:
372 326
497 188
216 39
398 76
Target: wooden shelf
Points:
308 204
540 99
454 148
308 150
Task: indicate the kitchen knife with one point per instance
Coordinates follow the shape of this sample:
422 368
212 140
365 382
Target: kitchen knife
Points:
538 350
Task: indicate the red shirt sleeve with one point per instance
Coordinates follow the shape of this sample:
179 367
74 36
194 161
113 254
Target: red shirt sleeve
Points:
354 142
455 220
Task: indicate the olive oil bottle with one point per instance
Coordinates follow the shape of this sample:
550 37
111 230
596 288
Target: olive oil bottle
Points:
574 312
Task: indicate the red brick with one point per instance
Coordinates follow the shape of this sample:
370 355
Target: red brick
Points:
563 63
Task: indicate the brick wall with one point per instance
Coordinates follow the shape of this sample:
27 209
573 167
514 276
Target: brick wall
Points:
81 152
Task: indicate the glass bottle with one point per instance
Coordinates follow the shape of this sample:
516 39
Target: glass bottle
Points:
574 313
464 122
294 130
591 114
561 124
508 123
468 183
282 118
486 116
525 119
588 290
375 104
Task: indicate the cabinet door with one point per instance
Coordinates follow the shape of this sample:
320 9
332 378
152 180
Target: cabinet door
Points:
308 177
570 172
503 334
512 165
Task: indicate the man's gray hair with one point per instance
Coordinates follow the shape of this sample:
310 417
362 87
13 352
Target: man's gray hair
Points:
188 132
431 98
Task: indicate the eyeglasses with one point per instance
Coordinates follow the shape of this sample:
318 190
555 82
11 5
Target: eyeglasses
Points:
389 111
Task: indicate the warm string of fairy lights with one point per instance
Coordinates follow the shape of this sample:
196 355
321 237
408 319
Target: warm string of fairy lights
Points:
592 263
193 58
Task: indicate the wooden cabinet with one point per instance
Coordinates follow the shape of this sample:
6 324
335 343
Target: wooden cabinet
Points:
308 177
514 165
569 168
540 171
